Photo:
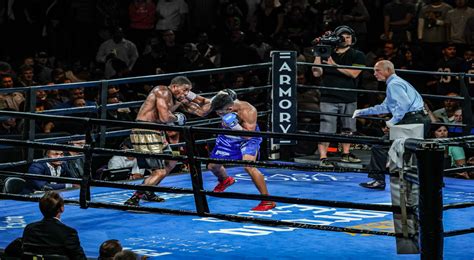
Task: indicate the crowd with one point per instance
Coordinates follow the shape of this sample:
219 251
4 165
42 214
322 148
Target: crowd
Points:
144 37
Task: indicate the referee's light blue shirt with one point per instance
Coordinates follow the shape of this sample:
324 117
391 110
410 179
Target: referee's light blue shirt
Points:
401 98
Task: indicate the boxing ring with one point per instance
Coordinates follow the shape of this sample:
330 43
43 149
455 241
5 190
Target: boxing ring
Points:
195 222
172 236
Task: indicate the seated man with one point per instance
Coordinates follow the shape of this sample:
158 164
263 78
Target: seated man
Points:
120 162
54 168
50 236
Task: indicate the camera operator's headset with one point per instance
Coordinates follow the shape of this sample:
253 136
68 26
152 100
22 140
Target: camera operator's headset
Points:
346 29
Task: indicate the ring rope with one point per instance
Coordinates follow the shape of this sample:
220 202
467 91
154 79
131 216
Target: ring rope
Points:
458 169
459 205
435 73
287 166
437 97
146 125
232 195
234 218
313 202
458 232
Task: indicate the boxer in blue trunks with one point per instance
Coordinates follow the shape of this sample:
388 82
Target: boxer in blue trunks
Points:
237 115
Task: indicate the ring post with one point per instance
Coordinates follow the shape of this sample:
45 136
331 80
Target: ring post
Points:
196 174
284 103
466 105
29 126
85 192
430 174
104 92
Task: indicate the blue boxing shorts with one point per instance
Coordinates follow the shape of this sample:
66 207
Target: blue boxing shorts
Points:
234 147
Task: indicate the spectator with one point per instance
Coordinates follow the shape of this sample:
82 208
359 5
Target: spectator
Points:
173 51
454 155
193 60
456 21
457 117
432 29
142 21
12 100
50 235
469 59
171 15
469 31
52 168
263 49
296 26
121 162
9 125
237 52
410 60
207 50
124 113
6 68
270 17
42 68
108 249
398 16
355 15
450 106
58 76
390 51
449 63
117 48
153 59
25 79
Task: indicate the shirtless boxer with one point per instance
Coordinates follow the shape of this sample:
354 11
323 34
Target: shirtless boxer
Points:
237 115
159 107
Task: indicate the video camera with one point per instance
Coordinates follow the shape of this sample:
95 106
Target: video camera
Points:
324 45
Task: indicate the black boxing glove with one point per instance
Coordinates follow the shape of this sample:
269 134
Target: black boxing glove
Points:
180 118
229 92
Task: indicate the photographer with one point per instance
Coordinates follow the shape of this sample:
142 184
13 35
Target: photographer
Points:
341 102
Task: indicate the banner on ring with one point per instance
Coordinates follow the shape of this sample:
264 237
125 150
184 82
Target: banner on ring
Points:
284 106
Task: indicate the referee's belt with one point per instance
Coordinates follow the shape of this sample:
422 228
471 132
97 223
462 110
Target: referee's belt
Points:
419 112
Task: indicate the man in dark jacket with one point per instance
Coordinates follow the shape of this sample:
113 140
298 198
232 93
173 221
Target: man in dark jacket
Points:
54 168
50 236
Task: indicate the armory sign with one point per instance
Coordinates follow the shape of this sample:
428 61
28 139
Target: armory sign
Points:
284 94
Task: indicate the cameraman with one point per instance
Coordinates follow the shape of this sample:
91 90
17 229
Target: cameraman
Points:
341 102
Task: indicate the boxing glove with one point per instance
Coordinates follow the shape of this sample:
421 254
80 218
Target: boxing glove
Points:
230 92
180 118
231 121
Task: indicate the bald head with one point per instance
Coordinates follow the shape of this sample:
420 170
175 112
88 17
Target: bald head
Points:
383 70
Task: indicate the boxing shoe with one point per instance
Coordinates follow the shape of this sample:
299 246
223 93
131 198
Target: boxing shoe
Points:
133 201
264 206
150 196
224 184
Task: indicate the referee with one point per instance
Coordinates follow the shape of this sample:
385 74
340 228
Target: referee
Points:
406 106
